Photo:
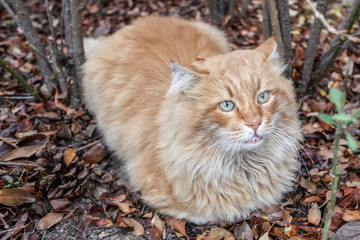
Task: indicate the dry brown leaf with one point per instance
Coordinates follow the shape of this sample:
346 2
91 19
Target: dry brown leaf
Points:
217 234
178 225
17 228
290 230
23 152
314 215
243 231
308 185
103 222
59 204
115 200
49 220
69 155
351 215
158 222
312 199
15 197
95 154
138 228
123 207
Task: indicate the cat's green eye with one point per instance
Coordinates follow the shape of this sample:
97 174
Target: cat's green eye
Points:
227 106
263 97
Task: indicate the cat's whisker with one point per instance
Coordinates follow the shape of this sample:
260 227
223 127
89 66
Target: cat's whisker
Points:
283 134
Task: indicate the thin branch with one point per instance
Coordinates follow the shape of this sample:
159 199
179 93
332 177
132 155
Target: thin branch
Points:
312 46
334 183
339 46
275 25
244 8
325 58
3 163
55 54
77 44
20 79
330 28
25 24
285 28
266 19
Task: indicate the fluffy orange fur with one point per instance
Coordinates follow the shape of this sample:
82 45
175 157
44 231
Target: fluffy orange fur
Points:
196 138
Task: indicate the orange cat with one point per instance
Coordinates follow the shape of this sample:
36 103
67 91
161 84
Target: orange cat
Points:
205 140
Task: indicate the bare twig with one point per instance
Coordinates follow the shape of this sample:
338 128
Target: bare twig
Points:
330 28
20 79
87 146
244 7
355 15
3 163
311 48
275 26
56 58
24 22
77 43
215 14
284 20
326 57
266 19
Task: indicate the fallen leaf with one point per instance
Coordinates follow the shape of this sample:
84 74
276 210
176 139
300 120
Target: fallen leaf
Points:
217 234
178 225
157 229
69 155
265 236
17 228
115 200
138 228
23 152
95 154
59 204
15 197
312 199
155 233
290 230
314 215
351 215
308 185
49 220
243 231
103 222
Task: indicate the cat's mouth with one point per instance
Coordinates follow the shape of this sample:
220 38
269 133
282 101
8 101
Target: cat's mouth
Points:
254 139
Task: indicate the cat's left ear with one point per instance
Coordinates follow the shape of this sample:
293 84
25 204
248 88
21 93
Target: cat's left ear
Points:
183 79
269 47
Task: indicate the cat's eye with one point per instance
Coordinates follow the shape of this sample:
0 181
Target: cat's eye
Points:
227 106
263 97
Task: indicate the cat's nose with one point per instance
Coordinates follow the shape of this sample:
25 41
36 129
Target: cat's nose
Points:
254 124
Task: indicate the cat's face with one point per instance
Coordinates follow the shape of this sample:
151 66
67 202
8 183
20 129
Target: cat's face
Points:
239 100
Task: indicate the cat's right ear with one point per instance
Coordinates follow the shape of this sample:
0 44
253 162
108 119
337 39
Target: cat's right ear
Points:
269 47
182 79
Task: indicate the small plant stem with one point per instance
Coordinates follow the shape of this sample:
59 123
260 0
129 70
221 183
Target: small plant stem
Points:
20 79
334 183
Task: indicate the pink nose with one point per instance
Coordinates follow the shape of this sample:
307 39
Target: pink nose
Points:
254 124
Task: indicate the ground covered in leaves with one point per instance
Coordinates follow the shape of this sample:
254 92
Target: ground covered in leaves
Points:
57 180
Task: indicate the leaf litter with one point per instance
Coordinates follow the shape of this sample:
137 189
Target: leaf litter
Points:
53 162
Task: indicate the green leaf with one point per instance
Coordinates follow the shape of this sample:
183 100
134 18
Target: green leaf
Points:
357 114
352 143
343 117
327 118
338 98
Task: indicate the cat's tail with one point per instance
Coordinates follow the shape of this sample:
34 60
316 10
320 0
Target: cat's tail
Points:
90 44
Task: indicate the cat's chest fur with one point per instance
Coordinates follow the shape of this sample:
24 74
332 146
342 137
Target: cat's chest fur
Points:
205 140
